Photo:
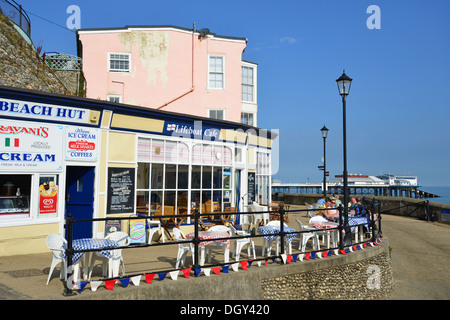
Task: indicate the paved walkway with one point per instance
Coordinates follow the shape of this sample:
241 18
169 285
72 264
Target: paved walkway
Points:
420 258
420 261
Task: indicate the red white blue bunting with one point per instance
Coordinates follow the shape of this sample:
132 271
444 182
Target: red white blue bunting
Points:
235 266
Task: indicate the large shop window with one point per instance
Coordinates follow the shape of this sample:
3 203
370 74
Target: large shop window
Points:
28 196
263 178
169 181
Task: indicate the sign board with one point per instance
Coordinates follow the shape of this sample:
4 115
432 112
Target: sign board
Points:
251 187
120 190
138 231
81 144
196 130
112 226
30 146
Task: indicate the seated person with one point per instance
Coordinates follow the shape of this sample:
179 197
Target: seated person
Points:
329 214
321 201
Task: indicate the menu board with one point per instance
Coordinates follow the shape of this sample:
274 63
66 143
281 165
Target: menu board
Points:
251 187
120 190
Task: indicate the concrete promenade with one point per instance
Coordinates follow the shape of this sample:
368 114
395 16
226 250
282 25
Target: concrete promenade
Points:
420 263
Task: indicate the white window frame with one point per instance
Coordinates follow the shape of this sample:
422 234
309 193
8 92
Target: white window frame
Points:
246 116
114 96
223 111
252 85
119 70
210 72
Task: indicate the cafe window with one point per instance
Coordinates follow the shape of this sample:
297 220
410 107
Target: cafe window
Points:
263 194
19 193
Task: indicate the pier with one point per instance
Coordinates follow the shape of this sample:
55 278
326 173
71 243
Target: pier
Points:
362 189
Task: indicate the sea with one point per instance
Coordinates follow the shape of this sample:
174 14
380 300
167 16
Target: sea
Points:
443 192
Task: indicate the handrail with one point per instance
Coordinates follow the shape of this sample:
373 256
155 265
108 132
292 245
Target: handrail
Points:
70 221
16 14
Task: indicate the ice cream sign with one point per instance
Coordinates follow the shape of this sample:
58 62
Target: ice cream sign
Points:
30 146
81 143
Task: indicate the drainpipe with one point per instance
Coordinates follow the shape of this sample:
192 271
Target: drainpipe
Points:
192 78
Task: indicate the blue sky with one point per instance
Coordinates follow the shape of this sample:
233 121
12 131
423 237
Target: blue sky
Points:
398 110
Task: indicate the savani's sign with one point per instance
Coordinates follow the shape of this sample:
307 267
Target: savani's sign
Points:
81 143
30 146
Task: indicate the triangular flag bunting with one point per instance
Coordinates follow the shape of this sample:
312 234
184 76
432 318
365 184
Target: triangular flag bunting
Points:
313 255
244 264
81 285
149 277
283 258
125 282
216 270
325 254
162 275
307 255
336 252
95 285
136 280
110 284
347 250
300 256
235 266
225 269
289 258
294 257
319 255
186 272
250 263
174 274
342 251
258 263
197 271
207 271
266 261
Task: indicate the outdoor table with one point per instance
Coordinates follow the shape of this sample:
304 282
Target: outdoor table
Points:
210 237
268 231
88 244
327 225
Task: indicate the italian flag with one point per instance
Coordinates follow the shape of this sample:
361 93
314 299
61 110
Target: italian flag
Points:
11 142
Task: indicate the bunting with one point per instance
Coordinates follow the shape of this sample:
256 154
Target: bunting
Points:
244 265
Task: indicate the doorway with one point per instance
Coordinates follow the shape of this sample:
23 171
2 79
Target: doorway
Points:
80 198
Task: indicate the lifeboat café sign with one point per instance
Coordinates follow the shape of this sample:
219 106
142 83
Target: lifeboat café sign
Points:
26 146
81 143
197 130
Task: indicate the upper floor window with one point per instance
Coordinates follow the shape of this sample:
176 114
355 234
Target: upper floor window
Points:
217 114
114 98
216 72
119 62
247 84
247 118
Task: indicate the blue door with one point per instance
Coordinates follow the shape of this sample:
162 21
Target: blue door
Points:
80 198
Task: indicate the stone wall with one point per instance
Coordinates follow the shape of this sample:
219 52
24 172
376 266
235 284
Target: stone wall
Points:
21 66
356 281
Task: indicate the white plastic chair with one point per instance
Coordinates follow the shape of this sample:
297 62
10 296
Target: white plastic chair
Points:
218 244
260 217
182 249
57 244
305 236
116 258
241 242
310 213
156 227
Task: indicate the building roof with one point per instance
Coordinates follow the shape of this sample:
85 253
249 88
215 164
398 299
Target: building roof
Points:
201 32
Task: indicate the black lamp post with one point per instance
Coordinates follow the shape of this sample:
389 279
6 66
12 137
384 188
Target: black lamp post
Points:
344 82
324 131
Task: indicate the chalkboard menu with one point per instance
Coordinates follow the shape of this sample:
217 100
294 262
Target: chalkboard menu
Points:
120 190
251 187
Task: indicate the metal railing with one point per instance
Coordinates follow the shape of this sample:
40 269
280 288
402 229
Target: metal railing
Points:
62 61
16 14
370 207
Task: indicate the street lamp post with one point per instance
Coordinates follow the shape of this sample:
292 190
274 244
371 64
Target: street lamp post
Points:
344 82
324 131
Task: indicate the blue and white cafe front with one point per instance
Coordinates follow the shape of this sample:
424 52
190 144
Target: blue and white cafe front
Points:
96 159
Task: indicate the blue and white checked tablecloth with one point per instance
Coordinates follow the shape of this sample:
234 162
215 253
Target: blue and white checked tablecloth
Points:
90 243
267 230
355 221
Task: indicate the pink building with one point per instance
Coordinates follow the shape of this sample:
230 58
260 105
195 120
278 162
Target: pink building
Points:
172 69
